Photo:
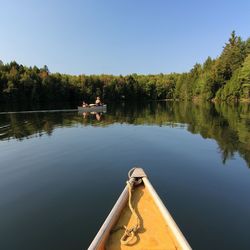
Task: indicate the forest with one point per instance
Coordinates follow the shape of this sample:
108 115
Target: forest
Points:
225 78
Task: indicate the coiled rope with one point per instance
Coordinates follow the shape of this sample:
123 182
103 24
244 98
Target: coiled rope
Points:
130 233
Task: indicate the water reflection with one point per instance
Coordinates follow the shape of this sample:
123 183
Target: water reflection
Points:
228 125
98 115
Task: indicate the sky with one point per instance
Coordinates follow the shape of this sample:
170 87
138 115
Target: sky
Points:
118 36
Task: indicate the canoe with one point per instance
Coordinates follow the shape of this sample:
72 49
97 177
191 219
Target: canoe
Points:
102 108
139 220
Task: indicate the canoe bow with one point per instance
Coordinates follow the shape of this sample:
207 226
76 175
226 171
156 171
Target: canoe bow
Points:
150 210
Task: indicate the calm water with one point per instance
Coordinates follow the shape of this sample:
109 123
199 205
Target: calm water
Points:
60 173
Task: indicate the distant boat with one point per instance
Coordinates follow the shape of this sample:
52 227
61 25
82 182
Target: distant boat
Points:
139 220
102 108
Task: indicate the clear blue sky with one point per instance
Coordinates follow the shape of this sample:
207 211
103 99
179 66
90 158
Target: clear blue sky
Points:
118 36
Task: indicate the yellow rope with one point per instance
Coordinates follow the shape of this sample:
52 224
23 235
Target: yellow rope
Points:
130 232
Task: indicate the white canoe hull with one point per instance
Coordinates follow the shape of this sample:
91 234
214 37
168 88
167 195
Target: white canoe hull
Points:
102 108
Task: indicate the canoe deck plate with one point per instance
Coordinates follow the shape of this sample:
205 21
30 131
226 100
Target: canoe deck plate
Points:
138 173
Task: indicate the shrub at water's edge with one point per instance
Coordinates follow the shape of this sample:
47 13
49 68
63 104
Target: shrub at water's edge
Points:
226 78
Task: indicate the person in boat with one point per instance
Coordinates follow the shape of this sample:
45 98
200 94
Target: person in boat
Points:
98 101
84 104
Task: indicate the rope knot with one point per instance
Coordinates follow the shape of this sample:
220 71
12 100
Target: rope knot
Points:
129 233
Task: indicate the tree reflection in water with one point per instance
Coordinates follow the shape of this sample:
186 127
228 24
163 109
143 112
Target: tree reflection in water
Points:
229 125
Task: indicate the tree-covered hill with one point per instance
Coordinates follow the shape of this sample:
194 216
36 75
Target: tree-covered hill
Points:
225 78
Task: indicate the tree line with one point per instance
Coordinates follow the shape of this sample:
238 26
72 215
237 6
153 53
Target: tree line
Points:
225 78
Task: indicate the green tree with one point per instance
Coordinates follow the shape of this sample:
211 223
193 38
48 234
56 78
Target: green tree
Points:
244 78
232 57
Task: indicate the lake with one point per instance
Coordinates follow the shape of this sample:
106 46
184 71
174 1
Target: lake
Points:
61 173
